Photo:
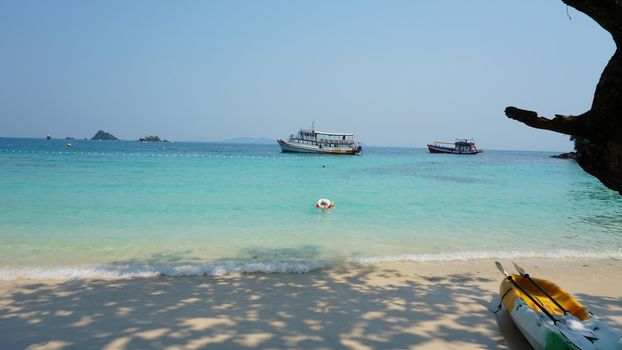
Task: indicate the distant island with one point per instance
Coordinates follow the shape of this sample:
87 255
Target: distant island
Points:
102 135
152 139
254 140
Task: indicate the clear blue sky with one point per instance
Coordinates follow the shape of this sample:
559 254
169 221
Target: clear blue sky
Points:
396 73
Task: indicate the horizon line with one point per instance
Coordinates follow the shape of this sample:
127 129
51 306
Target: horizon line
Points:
232 141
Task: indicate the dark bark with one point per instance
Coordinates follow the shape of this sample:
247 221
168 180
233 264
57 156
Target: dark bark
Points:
600 128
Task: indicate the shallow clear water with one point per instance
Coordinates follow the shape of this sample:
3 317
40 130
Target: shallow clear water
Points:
128 208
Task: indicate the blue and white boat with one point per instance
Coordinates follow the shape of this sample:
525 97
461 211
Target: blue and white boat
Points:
313 141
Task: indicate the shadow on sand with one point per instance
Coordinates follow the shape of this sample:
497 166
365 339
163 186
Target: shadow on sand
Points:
341 308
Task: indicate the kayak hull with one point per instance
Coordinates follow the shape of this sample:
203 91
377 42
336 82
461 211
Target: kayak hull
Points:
578 330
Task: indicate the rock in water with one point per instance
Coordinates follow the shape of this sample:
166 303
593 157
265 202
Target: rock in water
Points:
569 155
150 139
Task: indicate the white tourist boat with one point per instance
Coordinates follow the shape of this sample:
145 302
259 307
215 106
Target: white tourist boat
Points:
313 141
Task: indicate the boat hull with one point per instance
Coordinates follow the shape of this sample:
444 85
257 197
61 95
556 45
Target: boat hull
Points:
449 150
287 147
540 330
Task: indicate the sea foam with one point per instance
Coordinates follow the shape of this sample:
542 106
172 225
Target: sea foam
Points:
122 271
283 266
470 255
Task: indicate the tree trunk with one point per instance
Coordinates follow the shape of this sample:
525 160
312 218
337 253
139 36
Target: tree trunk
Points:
601 126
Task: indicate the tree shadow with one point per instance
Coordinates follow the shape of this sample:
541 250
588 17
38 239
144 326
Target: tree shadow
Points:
608 309
348 307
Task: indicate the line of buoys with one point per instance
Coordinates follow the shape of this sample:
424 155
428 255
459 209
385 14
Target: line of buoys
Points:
70 146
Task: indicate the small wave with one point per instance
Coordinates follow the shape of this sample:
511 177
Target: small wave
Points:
123 271
463 256
285 266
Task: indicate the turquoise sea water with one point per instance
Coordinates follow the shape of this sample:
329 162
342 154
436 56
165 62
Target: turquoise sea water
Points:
117 209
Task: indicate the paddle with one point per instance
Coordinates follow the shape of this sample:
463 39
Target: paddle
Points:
578 341
526 275
574 323
511 279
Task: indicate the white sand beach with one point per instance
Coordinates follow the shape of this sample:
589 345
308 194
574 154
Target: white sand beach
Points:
398 305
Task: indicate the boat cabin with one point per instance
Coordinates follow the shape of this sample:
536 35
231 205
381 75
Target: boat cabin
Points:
328 139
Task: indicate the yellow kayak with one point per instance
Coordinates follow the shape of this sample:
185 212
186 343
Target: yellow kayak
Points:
563 324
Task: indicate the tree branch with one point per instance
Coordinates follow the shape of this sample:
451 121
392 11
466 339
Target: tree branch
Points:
607 13
565 124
